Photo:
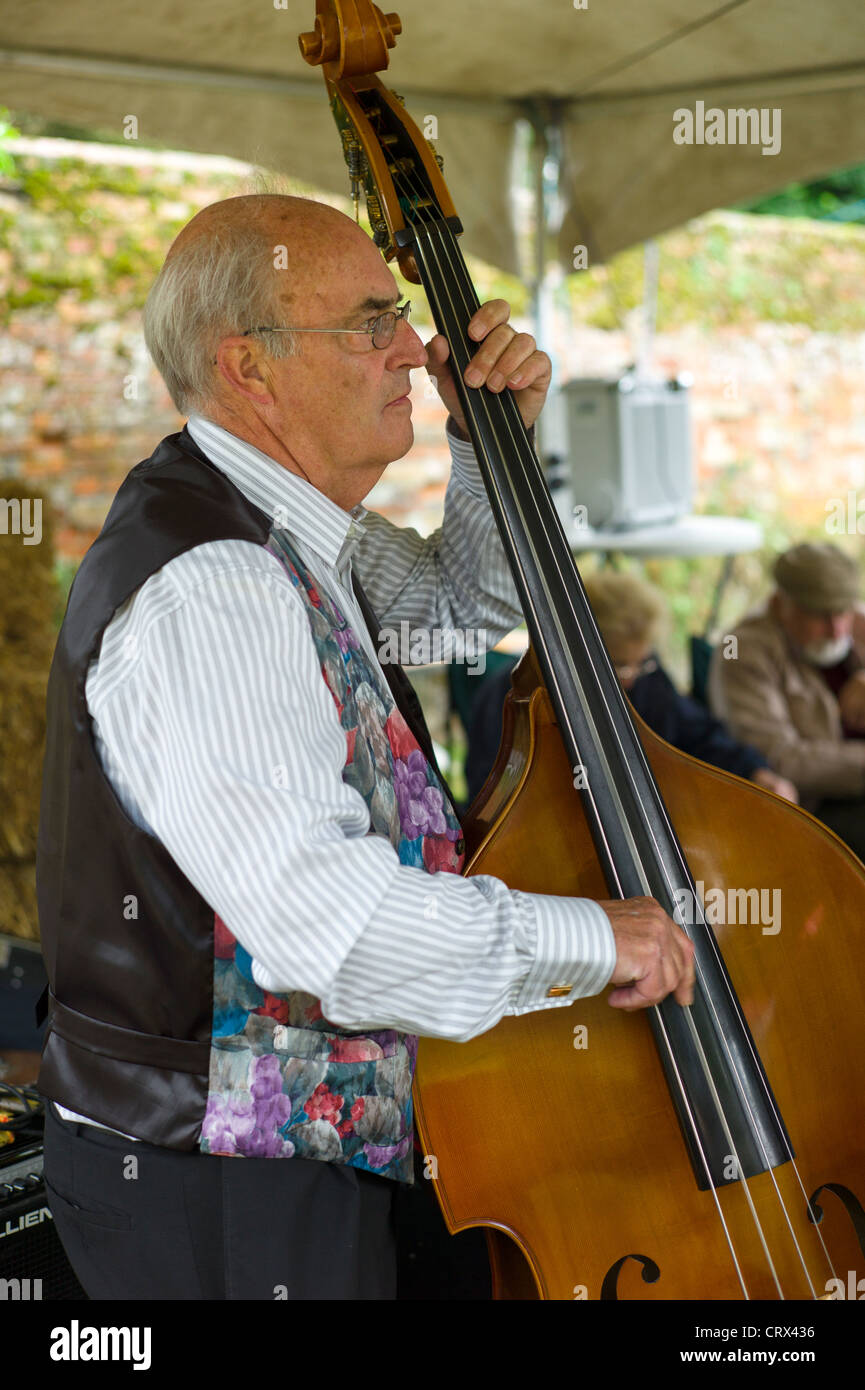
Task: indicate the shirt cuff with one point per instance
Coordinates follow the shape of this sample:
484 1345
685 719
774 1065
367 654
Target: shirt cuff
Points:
464 464
575 953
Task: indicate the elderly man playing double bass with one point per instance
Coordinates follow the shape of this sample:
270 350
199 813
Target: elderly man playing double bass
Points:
249 863
792 683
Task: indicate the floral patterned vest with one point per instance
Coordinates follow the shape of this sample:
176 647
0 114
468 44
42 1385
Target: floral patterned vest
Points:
284 1081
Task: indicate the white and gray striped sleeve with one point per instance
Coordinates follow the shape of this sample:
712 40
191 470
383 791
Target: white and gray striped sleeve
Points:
455 579
213 717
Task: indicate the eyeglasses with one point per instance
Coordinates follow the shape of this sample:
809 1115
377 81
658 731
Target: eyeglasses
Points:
380 330
632 673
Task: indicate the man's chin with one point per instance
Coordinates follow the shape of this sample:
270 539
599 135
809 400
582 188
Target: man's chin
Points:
402 442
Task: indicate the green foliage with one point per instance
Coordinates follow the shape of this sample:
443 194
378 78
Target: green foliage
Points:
819 198
92 232
729 269
7 132
31 124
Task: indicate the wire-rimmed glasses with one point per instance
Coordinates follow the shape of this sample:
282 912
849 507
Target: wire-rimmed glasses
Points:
379 330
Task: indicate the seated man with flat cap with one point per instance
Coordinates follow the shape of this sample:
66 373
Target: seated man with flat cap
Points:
793 684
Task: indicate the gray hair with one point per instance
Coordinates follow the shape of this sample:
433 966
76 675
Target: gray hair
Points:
208 290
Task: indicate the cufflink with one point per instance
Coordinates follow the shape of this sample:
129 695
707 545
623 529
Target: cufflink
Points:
555 991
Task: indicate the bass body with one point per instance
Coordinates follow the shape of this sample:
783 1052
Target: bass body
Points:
555 1131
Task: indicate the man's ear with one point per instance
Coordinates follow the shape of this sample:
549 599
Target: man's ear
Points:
243 366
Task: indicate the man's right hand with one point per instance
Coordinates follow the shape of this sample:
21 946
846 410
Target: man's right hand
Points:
654 957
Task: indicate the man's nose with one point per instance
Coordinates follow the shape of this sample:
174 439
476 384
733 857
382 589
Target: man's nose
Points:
407 348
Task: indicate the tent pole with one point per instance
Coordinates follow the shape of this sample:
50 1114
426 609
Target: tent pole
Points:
545 117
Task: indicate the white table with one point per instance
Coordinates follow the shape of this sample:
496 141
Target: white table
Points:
688 535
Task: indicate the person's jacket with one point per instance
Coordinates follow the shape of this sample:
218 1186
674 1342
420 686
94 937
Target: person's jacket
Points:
769 696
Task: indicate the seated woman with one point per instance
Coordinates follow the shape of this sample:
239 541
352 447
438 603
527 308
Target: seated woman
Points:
629 613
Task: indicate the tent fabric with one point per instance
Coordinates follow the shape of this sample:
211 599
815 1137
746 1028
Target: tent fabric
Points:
227 77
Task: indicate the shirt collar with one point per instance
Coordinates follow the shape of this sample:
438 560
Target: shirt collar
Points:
295 505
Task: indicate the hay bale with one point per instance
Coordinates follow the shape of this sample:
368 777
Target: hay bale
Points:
18 911
28 599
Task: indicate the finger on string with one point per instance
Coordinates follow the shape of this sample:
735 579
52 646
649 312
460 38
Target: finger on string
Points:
496 310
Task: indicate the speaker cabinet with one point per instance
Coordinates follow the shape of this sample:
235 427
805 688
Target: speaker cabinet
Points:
33 1264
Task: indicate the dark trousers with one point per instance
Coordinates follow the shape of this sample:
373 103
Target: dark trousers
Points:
847 819
142 1222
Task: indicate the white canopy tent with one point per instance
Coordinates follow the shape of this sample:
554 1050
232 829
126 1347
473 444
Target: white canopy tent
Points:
600 83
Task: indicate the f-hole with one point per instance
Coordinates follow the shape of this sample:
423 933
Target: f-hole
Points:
851 1204
650 1273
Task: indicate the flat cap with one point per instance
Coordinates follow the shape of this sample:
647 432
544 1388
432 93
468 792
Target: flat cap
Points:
818 578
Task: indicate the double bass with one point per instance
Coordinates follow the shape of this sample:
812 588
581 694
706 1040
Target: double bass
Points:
709 1151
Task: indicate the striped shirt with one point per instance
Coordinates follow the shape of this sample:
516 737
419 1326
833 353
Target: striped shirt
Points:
208 680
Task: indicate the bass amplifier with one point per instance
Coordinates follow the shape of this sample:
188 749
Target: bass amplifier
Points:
33 1264
629 450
